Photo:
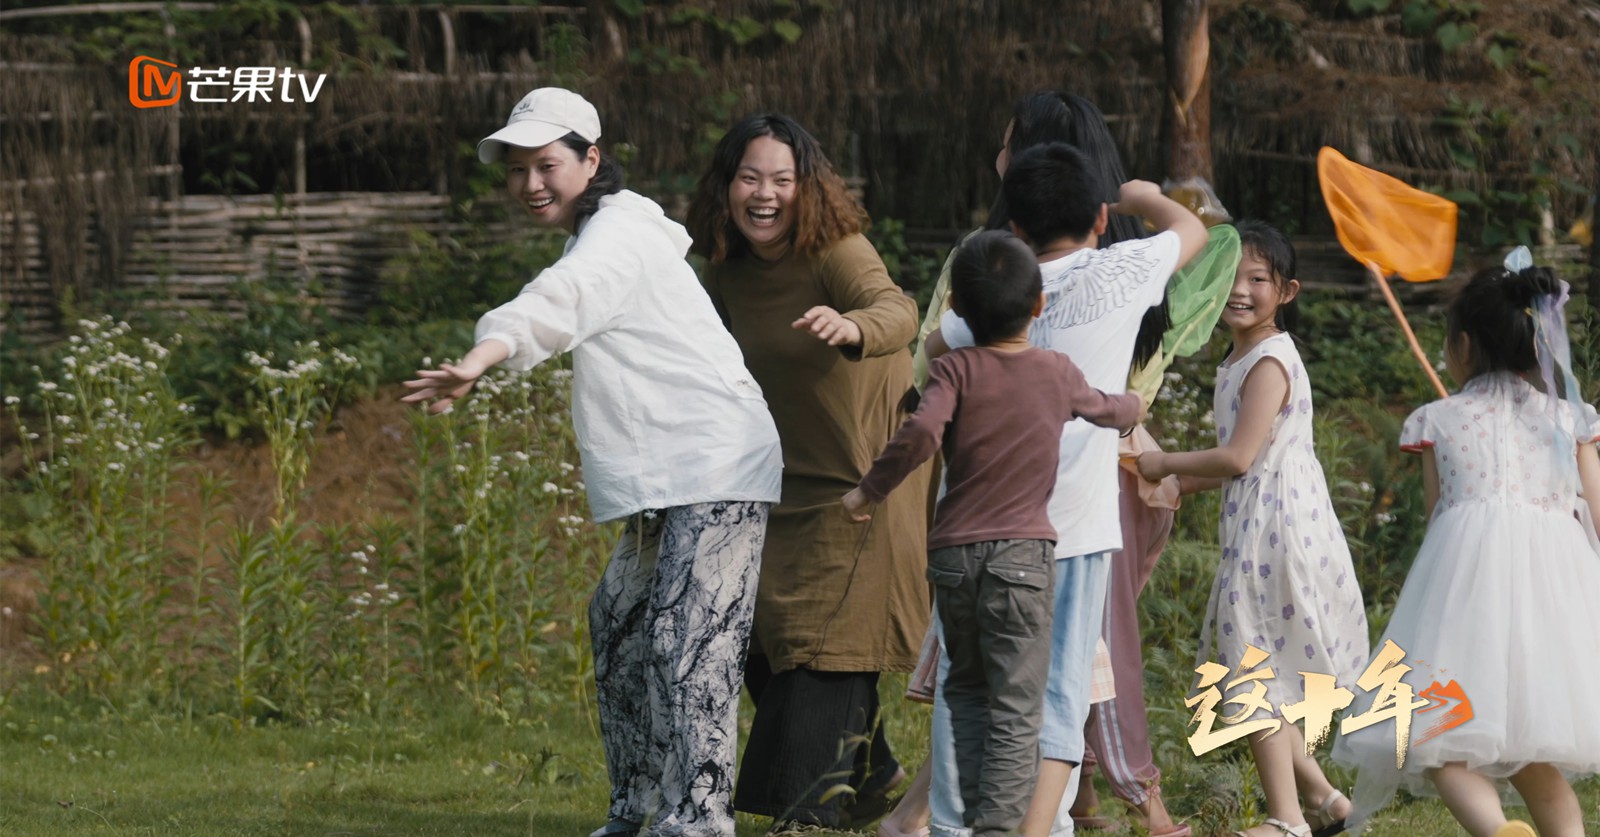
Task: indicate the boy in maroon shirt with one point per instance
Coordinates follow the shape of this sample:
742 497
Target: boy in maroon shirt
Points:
998 409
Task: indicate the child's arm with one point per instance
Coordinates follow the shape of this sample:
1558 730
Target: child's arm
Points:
1121 411
1265 390
912 445
1143 198
1195 485
933 346
1589 478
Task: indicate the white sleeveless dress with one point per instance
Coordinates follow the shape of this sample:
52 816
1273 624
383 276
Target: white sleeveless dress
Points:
1285 583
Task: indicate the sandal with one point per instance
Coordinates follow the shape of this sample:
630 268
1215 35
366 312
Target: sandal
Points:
1286 829
1086 807
1142 819
1323 822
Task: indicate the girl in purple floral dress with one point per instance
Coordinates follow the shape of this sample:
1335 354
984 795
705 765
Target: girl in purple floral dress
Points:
1285 584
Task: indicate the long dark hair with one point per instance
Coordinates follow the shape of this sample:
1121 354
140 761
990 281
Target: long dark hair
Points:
1049 116
609 178
824 209
1493 311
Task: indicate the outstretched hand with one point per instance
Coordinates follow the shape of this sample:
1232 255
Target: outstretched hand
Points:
830 326
444 385
857 505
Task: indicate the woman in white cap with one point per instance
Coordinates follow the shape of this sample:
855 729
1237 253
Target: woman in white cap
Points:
674 436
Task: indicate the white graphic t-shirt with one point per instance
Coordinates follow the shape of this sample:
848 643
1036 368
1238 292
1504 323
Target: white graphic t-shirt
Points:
1093 303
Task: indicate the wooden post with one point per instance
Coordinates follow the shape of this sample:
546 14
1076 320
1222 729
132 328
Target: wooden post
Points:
1186 42
441 161
304 27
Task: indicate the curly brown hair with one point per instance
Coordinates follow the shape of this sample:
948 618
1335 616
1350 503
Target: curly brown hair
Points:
824 209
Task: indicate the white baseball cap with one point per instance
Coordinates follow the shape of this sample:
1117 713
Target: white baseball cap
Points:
542 117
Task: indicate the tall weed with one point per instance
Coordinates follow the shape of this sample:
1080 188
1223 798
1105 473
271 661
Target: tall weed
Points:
101 462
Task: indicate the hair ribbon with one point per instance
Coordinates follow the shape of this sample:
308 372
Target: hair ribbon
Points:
1553 350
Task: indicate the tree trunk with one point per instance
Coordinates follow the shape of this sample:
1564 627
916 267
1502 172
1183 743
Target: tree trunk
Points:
1594 247
1186 41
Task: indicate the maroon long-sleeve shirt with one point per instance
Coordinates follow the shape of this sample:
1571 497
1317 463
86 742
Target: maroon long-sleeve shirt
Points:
999 415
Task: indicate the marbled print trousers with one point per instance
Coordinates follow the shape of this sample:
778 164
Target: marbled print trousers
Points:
669 624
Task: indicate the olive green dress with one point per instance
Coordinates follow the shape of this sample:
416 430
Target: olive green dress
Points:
834 595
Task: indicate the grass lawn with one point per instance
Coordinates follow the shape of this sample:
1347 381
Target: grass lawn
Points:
69 772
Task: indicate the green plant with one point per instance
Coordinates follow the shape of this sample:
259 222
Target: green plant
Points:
914 269
100 468
1500 216
1448 21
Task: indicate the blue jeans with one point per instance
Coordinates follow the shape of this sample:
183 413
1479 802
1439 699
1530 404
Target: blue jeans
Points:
1080 601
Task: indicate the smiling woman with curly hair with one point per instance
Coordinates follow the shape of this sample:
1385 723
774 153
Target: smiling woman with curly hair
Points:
825 332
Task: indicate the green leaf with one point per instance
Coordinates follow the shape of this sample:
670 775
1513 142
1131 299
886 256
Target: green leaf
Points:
1463 158
631 8
1361 7
788 30
1418 18
1502 56
835 791
745 29
1452 36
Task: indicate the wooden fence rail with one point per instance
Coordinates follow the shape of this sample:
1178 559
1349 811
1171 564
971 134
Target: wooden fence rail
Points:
192 249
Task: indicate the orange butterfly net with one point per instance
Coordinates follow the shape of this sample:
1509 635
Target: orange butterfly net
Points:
1391 228
1380 219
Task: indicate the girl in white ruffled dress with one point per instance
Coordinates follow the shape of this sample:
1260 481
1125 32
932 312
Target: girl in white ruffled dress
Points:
1504 595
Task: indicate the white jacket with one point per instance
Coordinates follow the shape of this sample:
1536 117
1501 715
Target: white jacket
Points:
665 410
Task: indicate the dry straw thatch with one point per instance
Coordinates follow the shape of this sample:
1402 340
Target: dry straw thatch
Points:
910 96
